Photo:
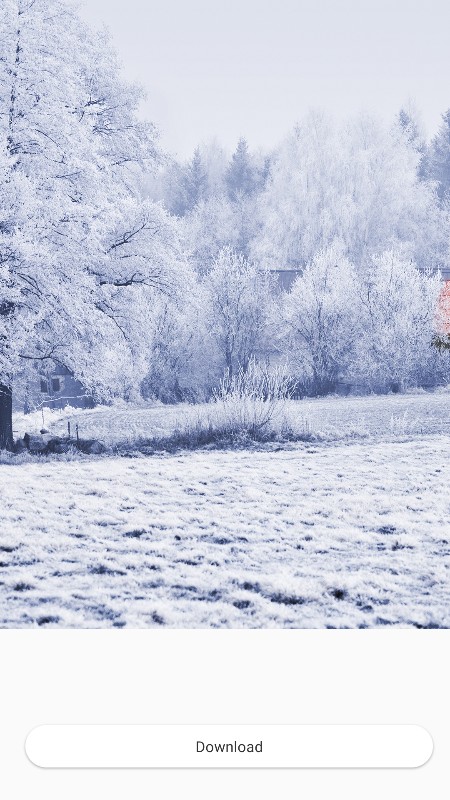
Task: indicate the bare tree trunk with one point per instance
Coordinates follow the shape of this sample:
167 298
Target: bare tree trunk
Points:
11 144
229 357
6 429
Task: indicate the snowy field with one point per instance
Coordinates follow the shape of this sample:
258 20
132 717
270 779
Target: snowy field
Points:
325 419
350 532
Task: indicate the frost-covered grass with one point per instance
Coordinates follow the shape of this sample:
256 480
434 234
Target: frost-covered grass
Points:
323 419
349 534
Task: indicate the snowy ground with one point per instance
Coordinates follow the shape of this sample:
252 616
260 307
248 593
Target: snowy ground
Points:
348 533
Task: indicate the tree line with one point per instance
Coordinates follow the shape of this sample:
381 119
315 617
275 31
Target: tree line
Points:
359 211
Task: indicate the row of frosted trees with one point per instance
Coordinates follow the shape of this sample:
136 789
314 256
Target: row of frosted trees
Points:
338 327
360 212
372 185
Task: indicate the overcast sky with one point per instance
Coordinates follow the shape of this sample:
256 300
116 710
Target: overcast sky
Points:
251 68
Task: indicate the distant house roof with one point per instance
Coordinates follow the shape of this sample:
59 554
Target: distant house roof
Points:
286 277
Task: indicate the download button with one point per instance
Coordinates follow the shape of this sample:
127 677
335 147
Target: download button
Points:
228 746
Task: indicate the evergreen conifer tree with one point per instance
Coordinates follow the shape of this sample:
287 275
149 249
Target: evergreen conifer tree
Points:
439 158
240 177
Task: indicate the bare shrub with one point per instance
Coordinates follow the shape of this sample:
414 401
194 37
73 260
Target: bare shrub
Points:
252 401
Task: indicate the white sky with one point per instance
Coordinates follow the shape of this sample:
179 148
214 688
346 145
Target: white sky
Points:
231 68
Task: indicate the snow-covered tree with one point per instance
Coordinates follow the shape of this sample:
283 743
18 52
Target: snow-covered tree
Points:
183 361
220 222
240 297
80 253
411 126
186 185
399 304
438 158
182 186
209 228
241 176
319 321
214 159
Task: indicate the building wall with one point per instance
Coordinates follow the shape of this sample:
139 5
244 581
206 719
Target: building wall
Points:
59 389
444 309
63 390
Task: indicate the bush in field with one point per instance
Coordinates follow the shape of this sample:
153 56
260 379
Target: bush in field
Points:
251 401
250 405
247 405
